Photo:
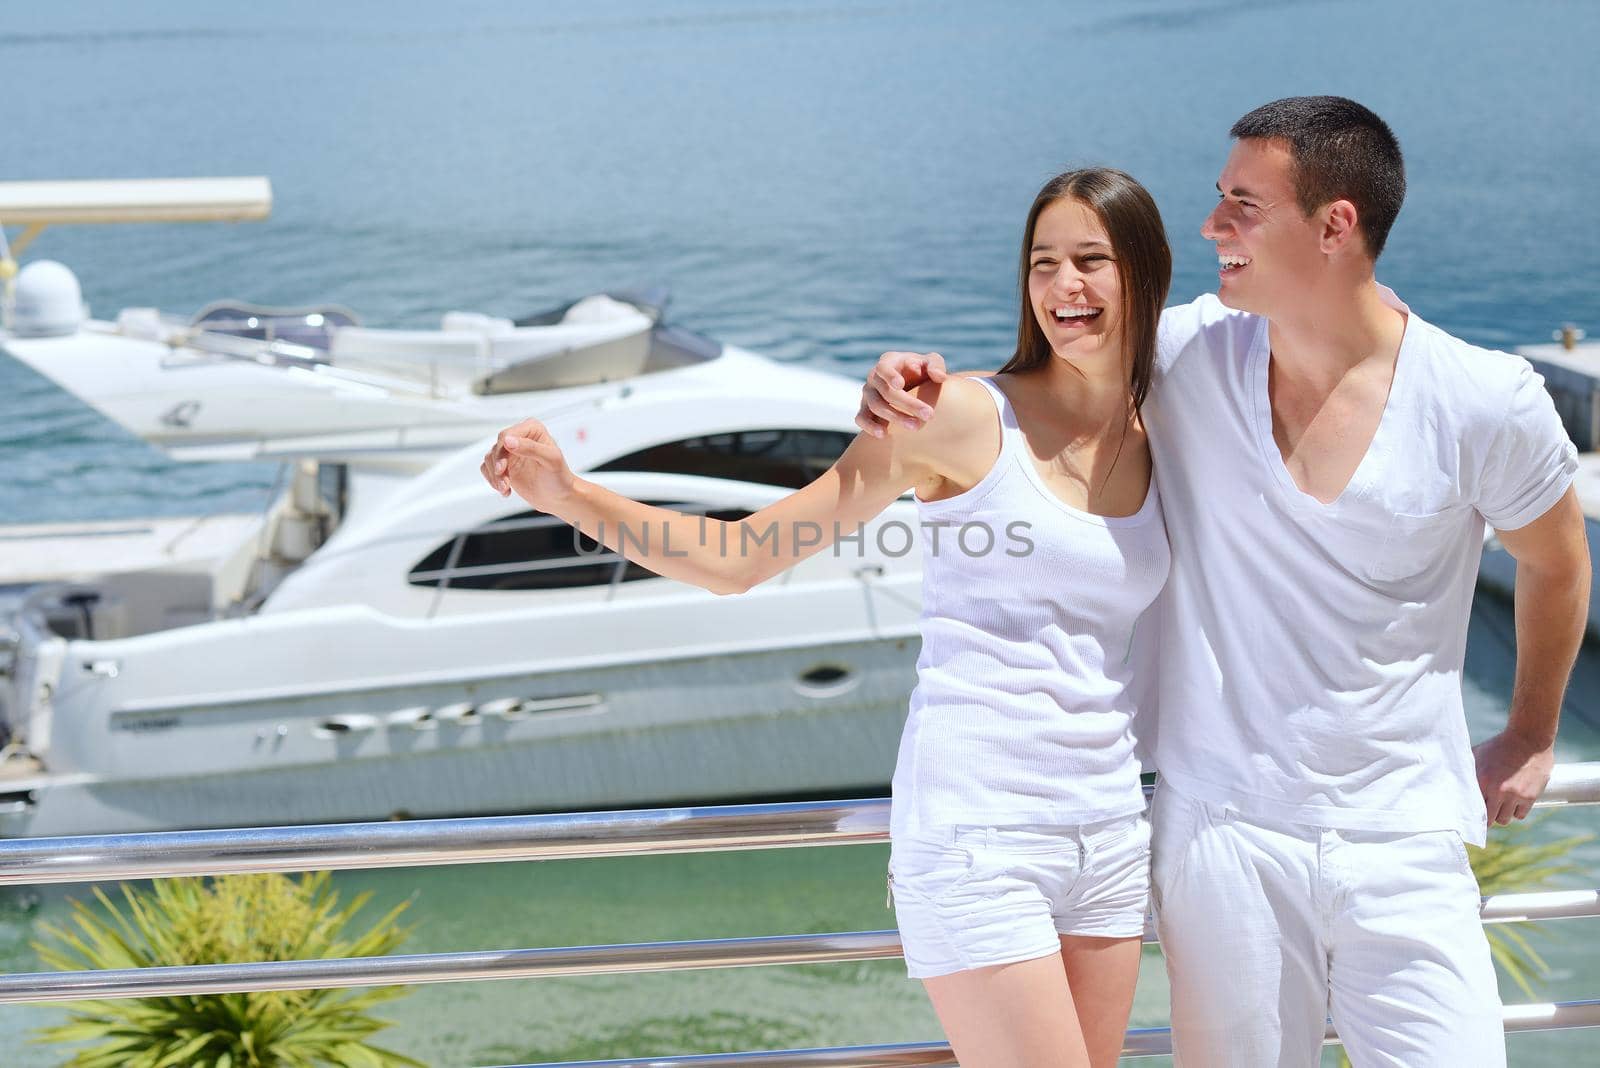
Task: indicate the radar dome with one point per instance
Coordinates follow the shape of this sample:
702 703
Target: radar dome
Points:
48 302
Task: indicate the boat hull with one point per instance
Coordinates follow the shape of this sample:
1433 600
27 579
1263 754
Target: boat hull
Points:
813 721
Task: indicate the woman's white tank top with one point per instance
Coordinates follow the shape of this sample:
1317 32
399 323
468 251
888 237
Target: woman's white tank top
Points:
1037 653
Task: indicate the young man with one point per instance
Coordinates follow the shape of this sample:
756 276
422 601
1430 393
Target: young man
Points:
1328 460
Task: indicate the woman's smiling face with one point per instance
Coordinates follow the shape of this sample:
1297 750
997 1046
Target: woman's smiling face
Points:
1074 285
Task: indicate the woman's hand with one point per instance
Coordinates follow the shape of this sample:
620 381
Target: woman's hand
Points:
526 460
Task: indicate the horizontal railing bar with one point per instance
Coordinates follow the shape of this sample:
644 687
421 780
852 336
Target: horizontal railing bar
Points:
1550 905
420 843
898 1055
1572 784
1141 1042
1552 1016
417 843
411 969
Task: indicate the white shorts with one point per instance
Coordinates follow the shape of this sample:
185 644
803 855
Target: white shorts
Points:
971 897
1268 927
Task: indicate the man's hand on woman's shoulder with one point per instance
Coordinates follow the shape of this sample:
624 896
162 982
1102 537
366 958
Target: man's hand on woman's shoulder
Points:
889 395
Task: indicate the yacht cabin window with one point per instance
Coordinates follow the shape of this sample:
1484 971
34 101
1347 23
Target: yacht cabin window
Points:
536 551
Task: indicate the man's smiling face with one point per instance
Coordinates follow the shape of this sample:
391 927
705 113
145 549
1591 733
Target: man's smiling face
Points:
1269 251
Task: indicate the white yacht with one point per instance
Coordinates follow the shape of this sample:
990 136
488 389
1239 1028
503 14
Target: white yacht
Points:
392 638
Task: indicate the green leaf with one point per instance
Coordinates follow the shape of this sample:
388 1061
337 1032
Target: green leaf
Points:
182 1054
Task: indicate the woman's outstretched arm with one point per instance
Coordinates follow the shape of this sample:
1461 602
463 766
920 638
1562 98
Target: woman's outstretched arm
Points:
731 557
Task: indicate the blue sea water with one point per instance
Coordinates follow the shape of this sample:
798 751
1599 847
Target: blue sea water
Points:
817 181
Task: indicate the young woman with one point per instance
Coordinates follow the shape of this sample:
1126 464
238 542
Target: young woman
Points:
1019 859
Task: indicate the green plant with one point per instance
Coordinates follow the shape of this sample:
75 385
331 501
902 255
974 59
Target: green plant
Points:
228 919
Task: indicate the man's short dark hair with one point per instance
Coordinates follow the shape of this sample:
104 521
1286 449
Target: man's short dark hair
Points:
1341 151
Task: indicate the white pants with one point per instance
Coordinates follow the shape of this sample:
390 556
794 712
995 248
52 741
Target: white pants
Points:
1267 928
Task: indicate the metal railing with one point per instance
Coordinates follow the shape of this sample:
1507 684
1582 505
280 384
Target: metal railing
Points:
91 858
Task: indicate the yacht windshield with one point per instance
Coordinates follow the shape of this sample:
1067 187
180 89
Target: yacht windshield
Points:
312 327
788 458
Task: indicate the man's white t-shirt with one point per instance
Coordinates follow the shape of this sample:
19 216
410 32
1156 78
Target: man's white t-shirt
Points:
1311 656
